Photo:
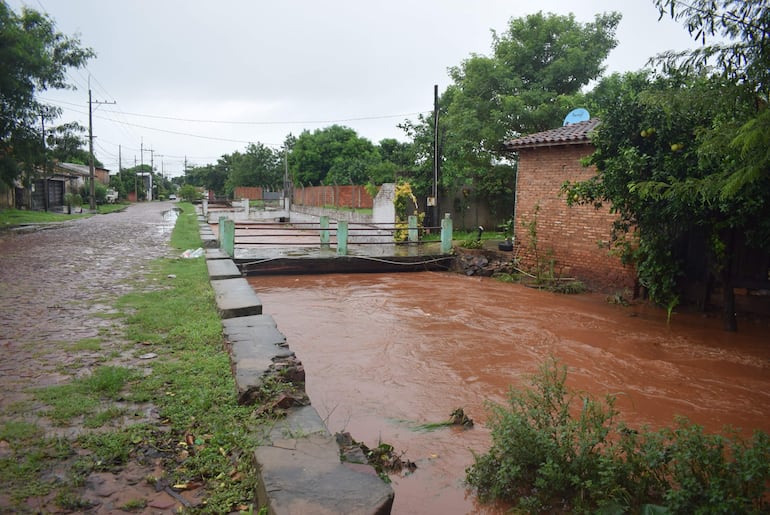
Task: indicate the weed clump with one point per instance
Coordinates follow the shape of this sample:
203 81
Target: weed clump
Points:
556 450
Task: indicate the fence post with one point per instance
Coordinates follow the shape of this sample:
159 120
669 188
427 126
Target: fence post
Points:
342 238
324 231
446 234
413 233
227 235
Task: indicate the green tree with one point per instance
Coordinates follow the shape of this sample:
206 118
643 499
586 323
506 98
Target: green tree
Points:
258 166
212 177
662 152
531 80
741 56
34 57
67 144
336 149
687 155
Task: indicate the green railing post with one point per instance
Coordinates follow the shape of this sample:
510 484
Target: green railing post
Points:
446 234
413 233
342 238
325 232
227 235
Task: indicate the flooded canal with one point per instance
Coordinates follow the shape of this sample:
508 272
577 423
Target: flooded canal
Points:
385 353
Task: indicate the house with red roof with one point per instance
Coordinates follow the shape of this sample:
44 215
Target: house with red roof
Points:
576 238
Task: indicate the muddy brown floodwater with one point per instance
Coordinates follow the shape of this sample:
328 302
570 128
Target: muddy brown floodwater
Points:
384 353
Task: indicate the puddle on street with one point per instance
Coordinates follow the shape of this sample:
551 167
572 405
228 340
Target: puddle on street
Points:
384 353
169 220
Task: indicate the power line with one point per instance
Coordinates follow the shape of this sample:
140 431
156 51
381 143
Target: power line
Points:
298 122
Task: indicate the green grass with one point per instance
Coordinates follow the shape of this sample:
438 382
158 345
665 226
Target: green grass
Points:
25 216
87 344
82 397
22 216
104 209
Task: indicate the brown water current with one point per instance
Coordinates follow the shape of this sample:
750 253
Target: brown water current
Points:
384 353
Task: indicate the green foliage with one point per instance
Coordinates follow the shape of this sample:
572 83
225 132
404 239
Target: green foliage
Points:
554 449
189 193
67 144
34 57
258 166
530 81
405 204
665 155
333 155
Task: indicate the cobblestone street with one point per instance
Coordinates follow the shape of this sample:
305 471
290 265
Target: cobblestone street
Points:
58 286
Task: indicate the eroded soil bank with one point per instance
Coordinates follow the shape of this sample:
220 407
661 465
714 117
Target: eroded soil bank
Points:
385 353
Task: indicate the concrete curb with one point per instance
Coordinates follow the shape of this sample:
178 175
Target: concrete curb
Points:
298 462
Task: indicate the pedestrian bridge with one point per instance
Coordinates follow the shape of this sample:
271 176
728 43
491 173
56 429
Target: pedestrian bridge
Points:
333 246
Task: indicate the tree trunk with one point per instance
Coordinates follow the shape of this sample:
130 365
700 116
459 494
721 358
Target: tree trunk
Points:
730 321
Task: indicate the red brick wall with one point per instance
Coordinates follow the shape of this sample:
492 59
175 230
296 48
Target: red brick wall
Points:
339 196
249 192
578 236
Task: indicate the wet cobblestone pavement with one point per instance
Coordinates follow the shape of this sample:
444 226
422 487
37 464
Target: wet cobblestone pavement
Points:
57 290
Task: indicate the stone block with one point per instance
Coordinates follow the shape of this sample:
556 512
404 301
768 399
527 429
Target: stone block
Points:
305 475
222 269
236 298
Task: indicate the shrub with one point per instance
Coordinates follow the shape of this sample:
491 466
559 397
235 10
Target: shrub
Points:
554 449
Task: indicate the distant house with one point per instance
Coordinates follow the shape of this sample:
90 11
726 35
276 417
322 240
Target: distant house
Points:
48 189
576 237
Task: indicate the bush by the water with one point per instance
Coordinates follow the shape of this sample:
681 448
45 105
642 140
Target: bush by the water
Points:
556 450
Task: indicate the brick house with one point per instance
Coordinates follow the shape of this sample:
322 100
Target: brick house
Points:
576 237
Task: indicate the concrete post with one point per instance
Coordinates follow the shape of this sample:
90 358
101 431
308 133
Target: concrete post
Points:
413 233
227 235
324 232
446 234
205 208
245 202
342 238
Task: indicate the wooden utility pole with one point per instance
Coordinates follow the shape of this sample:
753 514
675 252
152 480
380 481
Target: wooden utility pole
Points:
91 175
45 164
436 211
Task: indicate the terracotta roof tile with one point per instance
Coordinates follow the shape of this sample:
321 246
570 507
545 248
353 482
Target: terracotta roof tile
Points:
567 135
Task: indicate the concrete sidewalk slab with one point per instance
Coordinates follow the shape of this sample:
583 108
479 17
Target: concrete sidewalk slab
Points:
217 254
236 298
222 269
256 346
305 475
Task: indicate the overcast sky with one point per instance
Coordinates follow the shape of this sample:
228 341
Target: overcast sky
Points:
202 78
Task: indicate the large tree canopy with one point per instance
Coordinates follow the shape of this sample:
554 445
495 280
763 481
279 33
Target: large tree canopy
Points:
33 58
333 155
529 83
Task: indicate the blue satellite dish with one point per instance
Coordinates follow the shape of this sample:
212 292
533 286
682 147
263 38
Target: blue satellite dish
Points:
576 115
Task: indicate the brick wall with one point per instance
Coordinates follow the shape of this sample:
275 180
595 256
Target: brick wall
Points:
249 192
339 196
578 236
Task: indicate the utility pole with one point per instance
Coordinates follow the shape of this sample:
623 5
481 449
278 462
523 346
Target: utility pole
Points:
436 220
45 163
141 158
152 167
92 192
